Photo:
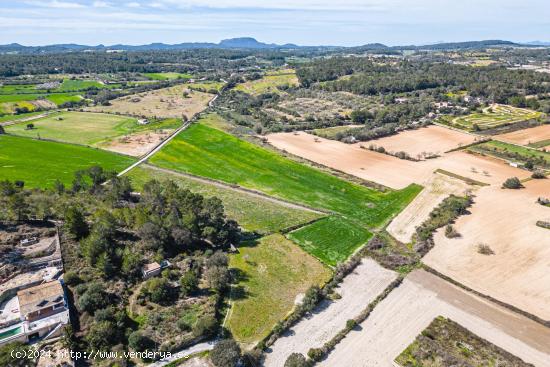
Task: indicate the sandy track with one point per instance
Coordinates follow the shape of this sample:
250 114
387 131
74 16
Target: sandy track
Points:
437 188
519 272
432 139
387 170
409 309
357 290
526 136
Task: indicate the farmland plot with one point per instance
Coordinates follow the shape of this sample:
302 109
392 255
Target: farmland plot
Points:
410 308
40 163
493 117
357 290
536 137
269 83
162 103
504 220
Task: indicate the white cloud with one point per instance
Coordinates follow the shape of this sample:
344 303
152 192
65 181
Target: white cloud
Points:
56 4
100 4
133 5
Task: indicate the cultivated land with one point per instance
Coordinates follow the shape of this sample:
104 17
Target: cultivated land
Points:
167 76
76 127
505 221
331 132
252 213
410 308
445 343
269 83
357 290
272 272
536 137
332 239
388 170
161 103
435 190
493 117
432 139
513 153
208 152
41 163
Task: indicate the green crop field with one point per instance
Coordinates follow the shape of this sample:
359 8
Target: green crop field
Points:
167 76
493 117
268 83
513 153
208 152
41 163
254 214
69 85
271 273
19 117
85 128
60 98
331 239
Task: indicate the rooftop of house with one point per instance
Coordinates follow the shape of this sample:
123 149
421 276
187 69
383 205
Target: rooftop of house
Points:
151 267
39 297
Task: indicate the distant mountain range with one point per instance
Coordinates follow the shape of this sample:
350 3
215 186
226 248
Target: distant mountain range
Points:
251 43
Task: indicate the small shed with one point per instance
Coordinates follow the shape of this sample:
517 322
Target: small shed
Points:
150 270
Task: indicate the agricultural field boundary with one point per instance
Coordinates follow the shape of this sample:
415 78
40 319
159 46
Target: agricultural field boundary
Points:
238 188
514 309
468 180
30 118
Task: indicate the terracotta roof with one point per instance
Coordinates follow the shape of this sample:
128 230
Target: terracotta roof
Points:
39 297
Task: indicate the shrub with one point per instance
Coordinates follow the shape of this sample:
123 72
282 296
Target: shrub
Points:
484 249
450 232
315 353
512 183
225 354
139 342
538 175
296 360
350 324
71 278
205 326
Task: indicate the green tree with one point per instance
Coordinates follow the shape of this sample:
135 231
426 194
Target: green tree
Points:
296 360
75 222
226 353
205 326
8 351
189 283
140 342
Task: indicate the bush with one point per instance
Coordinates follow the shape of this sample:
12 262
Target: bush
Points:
484 249
205 326
139 342
315 353
512 183
450 232
296 360
71 278
538 175
225 354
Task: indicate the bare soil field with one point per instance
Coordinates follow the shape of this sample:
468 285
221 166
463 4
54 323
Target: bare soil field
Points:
357 290
409 309
518 271
136 144
437 188
388 170
527 136
161 103
433 139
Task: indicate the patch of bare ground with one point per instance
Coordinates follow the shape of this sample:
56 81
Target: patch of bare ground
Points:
409 309
172 102
136 144
526 136
44 104
437 188
357 290
518 273
388 170
429 140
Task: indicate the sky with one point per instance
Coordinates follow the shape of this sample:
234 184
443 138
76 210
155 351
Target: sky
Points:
304 22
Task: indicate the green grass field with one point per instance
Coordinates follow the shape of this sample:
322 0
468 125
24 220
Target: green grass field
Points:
208 152
513 153
69 85
19 117
271 273
252 213
41 163
268 83
86 128
167 76
496 116
206 86
332 239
